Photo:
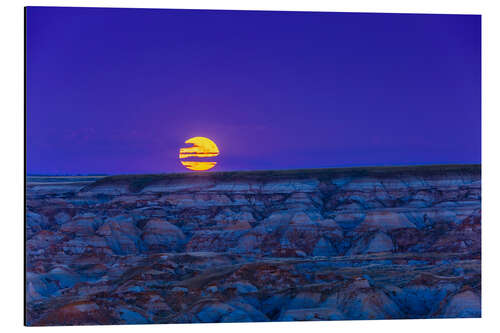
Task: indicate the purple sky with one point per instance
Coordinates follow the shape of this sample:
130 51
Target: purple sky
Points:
120 90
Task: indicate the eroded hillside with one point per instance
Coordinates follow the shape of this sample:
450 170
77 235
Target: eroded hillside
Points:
358 243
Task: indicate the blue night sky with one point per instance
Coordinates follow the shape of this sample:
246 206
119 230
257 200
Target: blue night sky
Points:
120 90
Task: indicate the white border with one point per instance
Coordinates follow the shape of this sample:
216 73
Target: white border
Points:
11 137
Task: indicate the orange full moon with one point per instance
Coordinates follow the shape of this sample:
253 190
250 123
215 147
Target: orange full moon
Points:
202 147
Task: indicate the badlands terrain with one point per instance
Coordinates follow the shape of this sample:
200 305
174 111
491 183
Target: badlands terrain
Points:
321 244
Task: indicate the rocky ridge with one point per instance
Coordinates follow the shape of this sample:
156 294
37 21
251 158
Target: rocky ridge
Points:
325 244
